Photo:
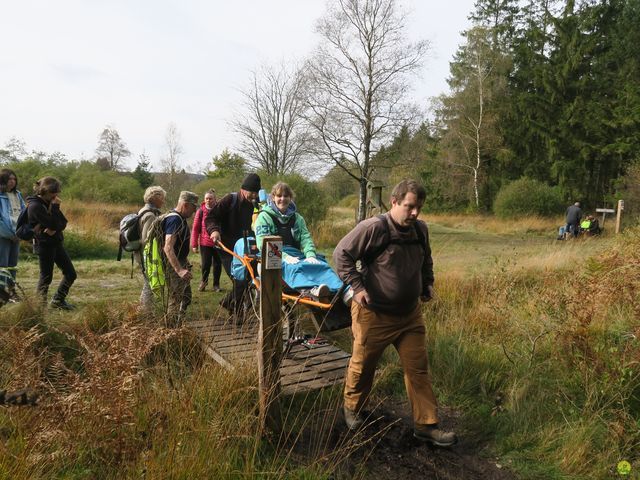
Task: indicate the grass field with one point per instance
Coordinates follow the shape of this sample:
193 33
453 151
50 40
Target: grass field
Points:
532 342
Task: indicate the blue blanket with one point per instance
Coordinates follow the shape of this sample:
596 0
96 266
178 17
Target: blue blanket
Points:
299 275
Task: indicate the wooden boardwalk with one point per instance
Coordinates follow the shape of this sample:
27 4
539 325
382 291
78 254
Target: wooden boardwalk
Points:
303 369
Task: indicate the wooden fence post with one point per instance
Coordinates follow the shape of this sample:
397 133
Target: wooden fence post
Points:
619 215
270 335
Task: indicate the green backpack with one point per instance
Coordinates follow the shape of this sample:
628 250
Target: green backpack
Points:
153 254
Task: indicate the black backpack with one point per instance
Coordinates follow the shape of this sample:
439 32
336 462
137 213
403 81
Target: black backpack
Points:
421 240
24 231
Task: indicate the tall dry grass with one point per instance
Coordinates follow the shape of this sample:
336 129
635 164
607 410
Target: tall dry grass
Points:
544 356
121 398
92 229
492 224
96 217
341 220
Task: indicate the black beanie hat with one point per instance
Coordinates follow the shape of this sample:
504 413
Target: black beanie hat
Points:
251 183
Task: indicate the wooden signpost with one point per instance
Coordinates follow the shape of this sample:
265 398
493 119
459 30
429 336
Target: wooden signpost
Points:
604 212
374 198
619 215
270 335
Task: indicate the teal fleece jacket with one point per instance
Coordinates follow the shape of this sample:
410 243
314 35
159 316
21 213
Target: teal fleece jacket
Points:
265 226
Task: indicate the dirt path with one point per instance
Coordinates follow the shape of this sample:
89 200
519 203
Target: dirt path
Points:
386 449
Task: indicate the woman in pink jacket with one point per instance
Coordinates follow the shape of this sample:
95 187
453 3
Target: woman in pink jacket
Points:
200 239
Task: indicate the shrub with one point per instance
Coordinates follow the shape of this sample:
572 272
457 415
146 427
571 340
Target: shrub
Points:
89 245
310 200
222 185
526 196
89 183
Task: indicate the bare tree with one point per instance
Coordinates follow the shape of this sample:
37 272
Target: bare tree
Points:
273 131
112 148
173 149
359 80
14 150
468 114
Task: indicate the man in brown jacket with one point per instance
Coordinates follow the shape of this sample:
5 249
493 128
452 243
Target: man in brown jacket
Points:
395 273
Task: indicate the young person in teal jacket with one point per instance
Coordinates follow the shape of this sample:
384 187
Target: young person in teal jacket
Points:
302 267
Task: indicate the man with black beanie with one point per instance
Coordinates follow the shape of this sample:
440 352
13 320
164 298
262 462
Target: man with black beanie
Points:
226 222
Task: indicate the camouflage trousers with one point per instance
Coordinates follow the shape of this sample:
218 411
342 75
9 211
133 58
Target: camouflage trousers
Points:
179 291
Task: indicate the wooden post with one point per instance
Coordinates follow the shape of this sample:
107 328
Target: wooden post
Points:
270 335
374 198
619 215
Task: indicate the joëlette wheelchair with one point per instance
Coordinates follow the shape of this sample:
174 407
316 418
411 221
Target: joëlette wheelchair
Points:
326 314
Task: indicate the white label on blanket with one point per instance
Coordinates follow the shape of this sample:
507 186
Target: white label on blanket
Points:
274 256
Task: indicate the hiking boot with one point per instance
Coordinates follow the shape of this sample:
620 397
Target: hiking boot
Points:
320 291
202 287
433 435
353 419
62 305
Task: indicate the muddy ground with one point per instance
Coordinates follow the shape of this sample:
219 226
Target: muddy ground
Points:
386 449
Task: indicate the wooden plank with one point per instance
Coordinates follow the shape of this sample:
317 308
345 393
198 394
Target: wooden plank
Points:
312 375
310 354
307 354
242 355
302 370
230 335
239 342
319 366
212 353
313 383
316 361
309 386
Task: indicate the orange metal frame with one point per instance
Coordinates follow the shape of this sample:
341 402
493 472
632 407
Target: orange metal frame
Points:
246 261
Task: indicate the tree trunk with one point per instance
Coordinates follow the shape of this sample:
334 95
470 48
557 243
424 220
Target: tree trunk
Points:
362 200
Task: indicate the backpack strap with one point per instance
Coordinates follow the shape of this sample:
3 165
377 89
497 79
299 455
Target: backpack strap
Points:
164 217
383 222
279 226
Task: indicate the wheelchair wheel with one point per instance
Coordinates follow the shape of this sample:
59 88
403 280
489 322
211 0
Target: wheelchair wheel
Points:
250 308
298 320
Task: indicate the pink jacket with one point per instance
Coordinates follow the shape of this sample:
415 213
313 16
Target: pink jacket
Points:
199 234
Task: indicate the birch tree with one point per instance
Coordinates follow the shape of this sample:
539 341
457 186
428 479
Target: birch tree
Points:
171 157
359 80
468 115
274 135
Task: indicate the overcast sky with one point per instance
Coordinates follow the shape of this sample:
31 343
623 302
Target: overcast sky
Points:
70 67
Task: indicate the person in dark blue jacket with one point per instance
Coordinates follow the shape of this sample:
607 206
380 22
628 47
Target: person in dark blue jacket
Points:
11 205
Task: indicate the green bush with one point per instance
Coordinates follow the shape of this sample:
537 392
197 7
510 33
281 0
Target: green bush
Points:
30 170
310 200
526 196
80 180
222 185
89 246
90 183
